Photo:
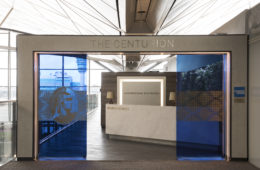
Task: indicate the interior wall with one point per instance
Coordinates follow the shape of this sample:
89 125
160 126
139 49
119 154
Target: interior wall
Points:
235 26
109 83
248 22
254 100
254 85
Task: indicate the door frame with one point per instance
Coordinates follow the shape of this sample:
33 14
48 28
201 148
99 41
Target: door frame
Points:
225 119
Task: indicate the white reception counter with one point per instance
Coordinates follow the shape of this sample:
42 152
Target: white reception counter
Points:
141 121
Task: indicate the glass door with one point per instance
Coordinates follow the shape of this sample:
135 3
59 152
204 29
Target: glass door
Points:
200 107
62 106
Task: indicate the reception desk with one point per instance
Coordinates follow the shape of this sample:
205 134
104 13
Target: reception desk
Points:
141 121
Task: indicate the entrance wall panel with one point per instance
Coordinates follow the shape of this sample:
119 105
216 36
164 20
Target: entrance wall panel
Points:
254 85
27 44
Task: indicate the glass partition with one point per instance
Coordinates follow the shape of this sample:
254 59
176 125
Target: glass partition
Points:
62 106
200 107
7 95
7 131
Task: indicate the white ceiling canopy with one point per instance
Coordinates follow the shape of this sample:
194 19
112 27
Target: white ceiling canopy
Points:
202 16
107 17
78 17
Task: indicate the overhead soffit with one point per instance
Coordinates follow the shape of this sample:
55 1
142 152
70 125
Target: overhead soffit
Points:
141 10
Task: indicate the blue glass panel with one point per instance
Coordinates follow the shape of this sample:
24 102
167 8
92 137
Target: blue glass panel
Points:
70 63
200 107
62 110
75 78
48 61
79 63
225 70
50 78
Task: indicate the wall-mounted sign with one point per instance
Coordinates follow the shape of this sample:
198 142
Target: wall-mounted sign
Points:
141 93
141 90
135 43
239 94
239 91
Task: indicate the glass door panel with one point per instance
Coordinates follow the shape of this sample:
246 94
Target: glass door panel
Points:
62 106
200 107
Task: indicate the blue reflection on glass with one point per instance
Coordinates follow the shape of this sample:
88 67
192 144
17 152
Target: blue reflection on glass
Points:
217 158
199 107
62 107
53 61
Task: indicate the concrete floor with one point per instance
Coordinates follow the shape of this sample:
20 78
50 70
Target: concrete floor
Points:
99 147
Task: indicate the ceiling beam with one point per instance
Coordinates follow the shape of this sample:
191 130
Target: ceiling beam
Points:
123 64
102 65
141 62
150 68
93 16
72 21
13 30
162 20
7 15
118 17
109 21
8 48
82 17
147 62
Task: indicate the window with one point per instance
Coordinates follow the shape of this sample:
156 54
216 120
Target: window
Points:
7 65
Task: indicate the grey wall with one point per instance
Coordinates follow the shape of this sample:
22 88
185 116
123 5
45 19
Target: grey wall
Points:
235 26
254 100
254 85
27 44
248 22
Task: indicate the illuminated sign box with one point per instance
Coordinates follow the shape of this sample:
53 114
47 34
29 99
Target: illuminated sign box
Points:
141 90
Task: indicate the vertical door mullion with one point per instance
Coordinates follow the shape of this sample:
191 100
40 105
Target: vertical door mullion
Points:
62 70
